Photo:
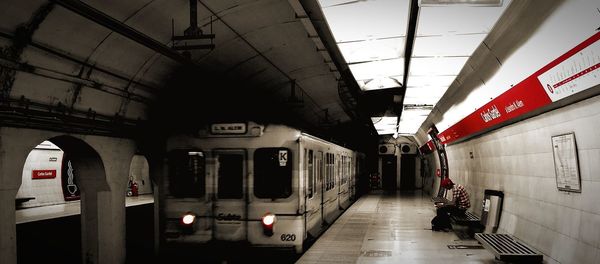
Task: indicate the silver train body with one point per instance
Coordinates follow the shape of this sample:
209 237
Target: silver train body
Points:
230 176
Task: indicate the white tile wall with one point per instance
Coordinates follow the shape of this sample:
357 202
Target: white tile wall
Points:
518 160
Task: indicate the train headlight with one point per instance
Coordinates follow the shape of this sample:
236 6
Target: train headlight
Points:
187 222
268 221
188 219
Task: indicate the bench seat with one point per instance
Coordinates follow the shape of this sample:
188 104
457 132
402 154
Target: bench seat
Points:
507 248
468 219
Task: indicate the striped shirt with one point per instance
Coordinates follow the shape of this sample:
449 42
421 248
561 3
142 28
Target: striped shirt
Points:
460 197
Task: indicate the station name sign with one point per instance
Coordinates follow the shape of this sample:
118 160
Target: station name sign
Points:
43 174
228 128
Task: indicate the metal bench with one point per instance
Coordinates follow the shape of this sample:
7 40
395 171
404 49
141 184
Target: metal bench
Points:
470 220
467 219
507 248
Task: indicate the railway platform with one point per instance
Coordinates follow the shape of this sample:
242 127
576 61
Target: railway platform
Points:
393 228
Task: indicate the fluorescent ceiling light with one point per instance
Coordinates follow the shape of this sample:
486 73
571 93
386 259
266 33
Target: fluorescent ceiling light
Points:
369 50
412 118
457 20
379 83
426 80
375 69
425 92
461 2
353 20
422 100
385 124
437 65
454 45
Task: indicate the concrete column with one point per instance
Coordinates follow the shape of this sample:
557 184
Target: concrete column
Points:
14 149
8 231
116 156
157 168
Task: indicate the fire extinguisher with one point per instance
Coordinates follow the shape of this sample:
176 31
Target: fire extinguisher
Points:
132 187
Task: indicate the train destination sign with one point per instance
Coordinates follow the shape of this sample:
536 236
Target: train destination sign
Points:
228 128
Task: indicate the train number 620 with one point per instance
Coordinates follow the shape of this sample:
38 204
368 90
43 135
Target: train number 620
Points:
288 237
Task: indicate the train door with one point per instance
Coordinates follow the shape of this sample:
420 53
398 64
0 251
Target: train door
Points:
230 207
320 183
407 171
388 169
313 200
338 176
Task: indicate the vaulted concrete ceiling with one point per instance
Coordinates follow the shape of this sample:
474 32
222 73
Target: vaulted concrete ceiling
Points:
115 60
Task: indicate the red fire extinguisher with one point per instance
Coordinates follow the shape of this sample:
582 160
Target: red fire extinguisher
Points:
132 187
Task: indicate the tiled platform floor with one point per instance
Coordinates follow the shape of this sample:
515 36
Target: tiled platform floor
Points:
392 228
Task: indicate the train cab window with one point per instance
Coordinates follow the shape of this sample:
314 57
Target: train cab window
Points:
311 174
272 173
187 173
231 176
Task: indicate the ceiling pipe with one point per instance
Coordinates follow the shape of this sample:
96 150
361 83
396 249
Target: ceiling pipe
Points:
410 41
112 24
193 29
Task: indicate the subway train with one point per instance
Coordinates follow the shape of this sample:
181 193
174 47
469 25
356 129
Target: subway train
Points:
49 178
268 186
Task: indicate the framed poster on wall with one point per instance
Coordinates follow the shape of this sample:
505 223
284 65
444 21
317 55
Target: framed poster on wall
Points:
566 163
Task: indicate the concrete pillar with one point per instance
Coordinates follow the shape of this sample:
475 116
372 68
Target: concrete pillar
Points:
116 155
13 153
8 231
157 165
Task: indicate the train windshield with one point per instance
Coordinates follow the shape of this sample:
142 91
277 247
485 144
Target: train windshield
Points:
272 173
186 173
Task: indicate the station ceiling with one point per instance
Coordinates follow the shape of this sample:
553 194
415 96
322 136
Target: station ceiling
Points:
324 63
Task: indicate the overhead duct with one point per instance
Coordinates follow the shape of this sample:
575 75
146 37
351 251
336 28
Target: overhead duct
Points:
193 32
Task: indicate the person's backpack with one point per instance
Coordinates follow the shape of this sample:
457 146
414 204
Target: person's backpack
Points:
440 222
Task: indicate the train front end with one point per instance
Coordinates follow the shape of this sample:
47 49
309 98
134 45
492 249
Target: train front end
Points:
235 183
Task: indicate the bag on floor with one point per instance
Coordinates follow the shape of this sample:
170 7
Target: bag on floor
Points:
440 222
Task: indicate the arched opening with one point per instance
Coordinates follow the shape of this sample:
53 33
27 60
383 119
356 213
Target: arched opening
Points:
139 211
56 204
139 174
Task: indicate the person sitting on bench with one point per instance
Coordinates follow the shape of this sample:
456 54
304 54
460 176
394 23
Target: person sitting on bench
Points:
458 206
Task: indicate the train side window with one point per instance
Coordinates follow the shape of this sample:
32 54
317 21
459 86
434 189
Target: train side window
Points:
319 167
330 168
344 169
187 170
338 163
272 173
231 176
311 174
327 172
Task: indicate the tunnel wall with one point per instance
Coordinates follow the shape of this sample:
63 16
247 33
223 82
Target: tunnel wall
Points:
518 160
